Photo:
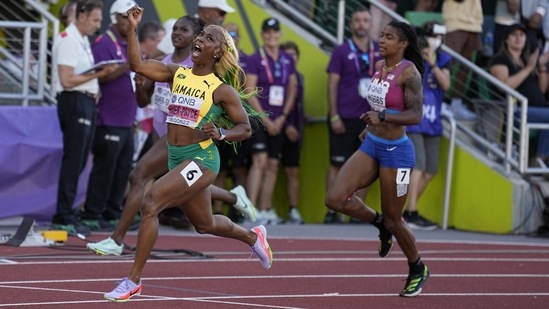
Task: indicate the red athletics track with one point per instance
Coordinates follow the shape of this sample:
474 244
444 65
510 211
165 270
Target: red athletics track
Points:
306 273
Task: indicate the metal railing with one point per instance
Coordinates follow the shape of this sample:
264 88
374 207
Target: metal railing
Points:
21 66
451 135
24 52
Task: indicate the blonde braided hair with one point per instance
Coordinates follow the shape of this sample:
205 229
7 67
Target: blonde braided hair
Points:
227 67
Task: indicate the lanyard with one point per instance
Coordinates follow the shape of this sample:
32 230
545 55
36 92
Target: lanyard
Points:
115 41
357 55
88 52
265 63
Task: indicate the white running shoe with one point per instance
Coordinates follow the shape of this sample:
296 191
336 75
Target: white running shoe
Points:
261 247
262 217
124 291
106 247
272 217
294 216
243 203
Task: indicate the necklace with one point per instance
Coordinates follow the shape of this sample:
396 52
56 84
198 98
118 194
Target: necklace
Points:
386 68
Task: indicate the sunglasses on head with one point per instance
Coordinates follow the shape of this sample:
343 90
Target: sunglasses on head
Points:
277 72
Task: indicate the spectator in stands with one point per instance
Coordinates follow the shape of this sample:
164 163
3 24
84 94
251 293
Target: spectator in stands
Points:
273 71
378 19
463 19
532 14
545 29
529 13
426 5
426 135
235 159
293 140
507 14
525 72
76 98
113 143
350 69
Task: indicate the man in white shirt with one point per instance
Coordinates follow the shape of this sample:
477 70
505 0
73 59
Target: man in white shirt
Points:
76 98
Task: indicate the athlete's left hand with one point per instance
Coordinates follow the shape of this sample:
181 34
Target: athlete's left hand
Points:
370 117
211 130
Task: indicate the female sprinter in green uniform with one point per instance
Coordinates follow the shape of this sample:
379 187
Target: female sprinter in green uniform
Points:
201 106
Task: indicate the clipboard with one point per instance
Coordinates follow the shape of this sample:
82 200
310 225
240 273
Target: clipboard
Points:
98 66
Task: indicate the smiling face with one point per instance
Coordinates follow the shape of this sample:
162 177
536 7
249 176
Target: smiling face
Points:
271 37
182 33
390 43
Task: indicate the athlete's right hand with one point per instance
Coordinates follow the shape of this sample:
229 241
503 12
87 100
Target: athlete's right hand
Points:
134 16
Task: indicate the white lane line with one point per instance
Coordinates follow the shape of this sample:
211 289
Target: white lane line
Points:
225 299
278 260
262 277
6 261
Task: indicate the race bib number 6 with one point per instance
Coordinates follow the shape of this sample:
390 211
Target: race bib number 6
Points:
191 173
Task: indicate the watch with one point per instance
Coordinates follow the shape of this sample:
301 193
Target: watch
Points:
222 133
381 116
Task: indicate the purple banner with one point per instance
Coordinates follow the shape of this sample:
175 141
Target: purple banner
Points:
31 147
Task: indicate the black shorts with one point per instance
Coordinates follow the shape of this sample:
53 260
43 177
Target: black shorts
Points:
230 158
263 142
342 146
290 153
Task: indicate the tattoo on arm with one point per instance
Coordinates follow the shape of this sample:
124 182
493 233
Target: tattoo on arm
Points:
413 92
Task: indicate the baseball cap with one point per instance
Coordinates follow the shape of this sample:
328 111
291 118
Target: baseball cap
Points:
516 26
216 4
121 7
270 23
432 29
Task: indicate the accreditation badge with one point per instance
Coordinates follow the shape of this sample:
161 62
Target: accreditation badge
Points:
276 95
363 86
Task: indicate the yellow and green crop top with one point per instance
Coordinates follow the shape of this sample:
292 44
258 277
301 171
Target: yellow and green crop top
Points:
191 103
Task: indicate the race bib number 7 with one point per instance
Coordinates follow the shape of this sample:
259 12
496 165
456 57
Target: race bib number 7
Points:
402 181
